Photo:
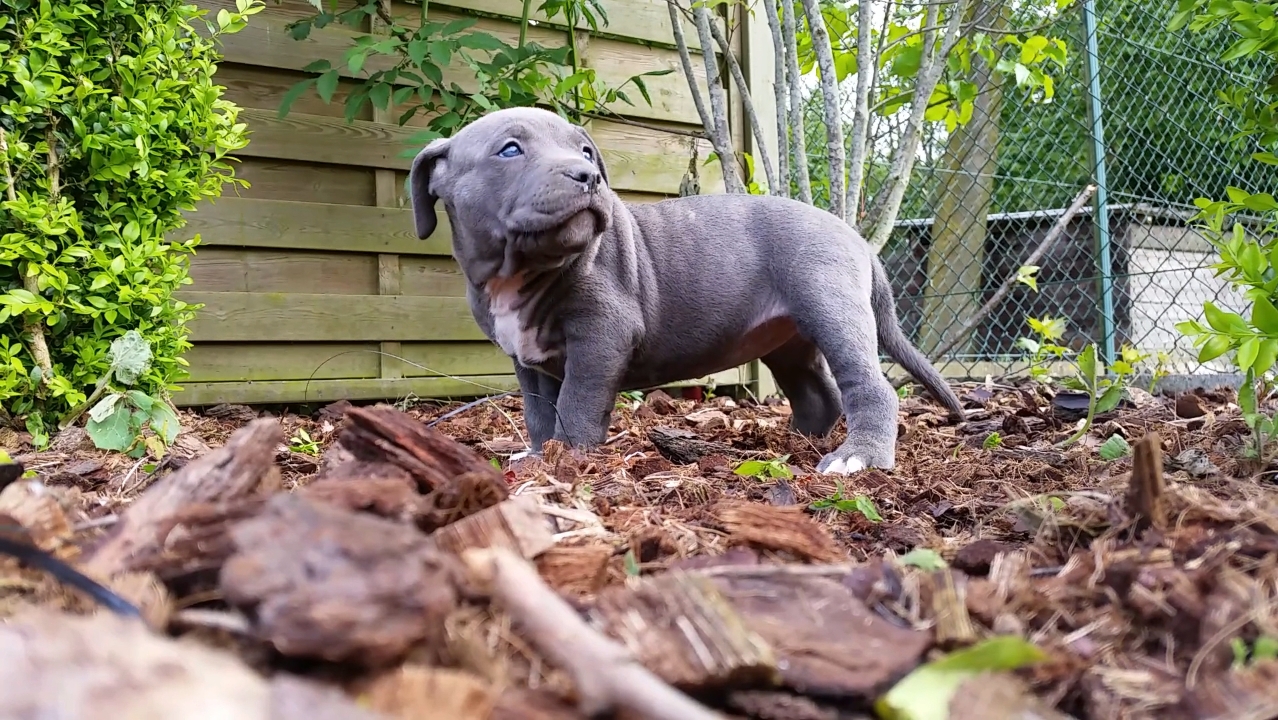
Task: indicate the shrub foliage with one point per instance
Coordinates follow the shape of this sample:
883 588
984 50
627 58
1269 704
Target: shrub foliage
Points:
112 128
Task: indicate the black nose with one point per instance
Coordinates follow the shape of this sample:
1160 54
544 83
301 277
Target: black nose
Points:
587 175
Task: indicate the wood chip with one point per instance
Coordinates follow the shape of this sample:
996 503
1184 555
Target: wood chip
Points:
516 524
786 529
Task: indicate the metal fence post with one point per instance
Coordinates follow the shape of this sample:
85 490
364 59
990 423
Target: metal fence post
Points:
1101 216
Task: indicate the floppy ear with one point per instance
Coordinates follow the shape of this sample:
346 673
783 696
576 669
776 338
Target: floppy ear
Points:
599 161
419 190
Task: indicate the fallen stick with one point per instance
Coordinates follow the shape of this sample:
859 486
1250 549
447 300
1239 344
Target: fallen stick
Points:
606 676
1050 239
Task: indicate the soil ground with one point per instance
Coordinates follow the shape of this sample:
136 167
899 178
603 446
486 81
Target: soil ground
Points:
1149 580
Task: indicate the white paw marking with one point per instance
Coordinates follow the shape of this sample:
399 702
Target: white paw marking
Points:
845 467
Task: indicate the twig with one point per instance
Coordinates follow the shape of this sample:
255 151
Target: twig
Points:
612 116
780 90
830 98
747 102
798 138
685 60
1006 287
31 281
882 213
861 114
229 622
720 134
606 676
731 181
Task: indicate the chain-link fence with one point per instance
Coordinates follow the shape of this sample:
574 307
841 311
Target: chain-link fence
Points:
984 197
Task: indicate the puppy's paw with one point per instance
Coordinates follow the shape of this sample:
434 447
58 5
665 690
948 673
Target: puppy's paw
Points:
834 465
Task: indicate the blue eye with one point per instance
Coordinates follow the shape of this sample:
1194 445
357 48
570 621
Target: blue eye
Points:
590 154
510 150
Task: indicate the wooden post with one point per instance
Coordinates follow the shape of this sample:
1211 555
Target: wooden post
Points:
757 65
389 277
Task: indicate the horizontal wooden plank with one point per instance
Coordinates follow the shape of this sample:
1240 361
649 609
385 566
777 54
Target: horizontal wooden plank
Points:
297 391
266 42
263 361
195 394
646 20
239 317
241 222
428 276
309 182
638 159
224 269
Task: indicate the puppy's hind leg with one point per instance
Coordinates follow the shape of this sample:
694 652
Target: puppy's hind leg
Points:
801 374
839 321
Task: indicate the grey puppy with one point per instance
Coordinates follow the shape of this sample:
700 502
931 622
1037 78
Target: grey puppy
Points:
591 296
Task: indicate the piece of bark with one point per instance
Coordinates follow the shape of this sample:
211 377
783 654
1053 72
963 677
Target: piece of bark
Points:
323 582
680 627
683 447
196 538
954 625
775 705
575 570
999 695
787 529
517 703
605 676
827 641
455 479
103 667
1145 501
235 470
516 524
393 498
38 511
418 692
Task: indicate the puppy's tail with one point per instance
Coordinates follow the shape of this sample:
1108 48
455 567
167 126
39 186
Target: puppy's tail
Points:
898 346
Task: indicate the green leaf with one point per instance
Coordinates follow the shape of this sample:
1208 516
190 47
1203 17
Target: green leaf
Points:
1032 47
294 92
1265 356
104 407
1247 353
1265 316
924 559
164 422
112 432
1087 364
326 85
1115 447
925 693
1215 346
865 506
1222 320
750 468
1110 398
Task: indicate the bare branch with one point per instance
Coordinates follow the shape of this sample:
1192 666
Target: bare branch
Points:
779 88
830 97
761 147
685 59
1061 223
865 67
798 136
606 675
720 134
882 214
31 281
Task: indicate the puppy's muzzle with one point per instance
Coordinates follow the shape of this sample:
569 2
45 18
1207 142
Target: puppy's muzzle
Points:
585 175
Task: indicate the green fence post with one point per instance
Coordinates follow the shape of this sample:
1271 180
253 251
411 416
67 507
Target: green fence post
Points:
1101 201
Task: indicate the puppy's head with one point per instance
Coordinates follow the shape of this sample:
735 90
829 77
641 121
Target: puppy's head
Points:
524 189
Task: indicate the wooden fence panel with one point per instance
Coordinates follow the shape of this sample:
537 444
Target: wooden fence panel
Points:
313 283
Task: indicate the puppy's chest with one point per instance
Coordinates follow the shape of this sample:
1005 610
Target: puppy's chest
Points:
530 344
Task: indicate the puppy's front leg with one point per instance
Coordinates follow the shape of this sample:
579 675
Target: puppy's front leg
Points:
541 393
592 374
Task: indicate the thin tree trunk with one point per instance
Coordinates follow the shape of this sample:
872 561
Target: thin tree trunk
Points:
861 114
956 258
830 97
721 136
780 90
798 139
747 103
882 214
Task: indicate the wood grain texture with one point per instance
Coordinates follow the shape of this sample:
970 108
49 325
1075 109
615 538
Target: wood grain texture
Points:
297 317
195 394
262 361
266 42
240 222
224 269
302 181
638 159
